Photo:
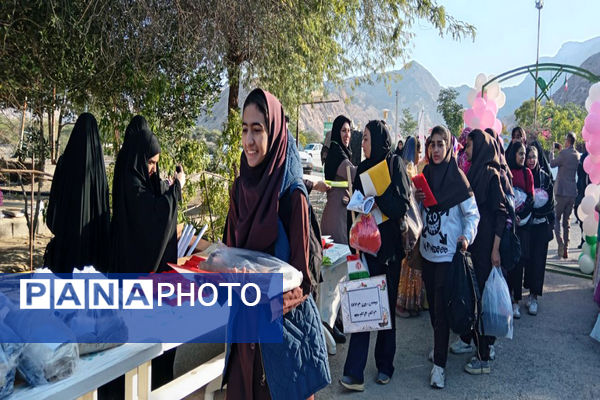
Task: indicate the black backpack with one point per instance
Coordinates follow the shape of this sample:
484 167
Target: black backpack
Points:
462 297
510 244
315 255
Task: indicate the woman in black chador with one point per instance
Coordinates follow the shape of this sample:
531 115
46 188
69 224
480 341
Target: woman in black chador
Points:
144 223
78 211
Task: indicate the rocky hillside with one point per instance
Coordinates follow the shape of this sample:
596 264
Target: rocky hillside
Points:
578 87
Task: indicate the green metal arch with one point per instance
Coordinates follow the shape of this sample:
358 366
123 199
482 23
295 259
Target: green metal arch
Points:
559 68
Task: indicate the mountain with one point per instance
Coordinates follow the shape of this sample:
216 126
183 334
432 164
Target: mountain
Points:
578 87
417 89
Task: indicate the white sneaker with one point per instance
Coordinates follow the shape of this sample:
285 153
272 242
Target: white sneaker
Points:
437 377
460 347
533 307
492 352
430 356
528 300
516 311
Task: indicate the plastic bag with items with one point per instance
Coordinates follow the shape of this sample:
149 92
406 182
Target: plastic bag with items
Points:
95 329
10 350
497 316
9 357
41 363
365 235
231 259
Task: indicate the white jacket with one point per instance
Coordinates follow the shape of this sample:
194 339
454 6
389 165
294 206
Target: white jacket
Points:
441 230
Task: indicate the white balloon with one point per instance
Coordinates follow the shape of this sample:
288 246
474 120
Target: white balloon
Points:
479 81
501 99
586 249
594 92
593 190
590 225
587 205
493 90
586 264
588 103
471 96
581 214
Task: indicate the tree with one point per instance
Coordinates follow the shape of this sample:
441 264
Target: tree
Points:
291 48
554 121
450 110
408 124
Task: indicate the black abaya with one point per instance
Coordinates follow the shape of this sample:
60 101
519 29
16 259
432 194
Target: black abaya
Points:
144 224
78 210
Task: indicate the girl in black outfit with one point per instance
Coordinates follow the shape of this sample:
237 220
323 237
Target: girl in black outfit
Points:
540 230
484 177
523 185
377 145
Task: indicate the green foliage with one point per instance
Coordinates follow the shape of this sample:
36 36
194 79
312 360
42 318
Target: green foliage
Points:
450 110
292 47
554 121
33 144
306 137
408 124
216 186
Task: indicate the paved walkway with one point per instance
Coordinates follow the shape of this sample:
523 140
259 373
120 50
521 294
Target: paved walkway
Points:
550 357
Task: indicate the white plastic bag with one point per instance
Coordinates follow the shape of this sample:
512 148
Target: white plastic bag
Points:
596 331
9 357
231 259
41 363
497 316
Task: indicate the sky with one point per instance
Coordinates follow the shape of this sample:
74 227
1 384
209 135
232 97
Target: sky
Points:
506 36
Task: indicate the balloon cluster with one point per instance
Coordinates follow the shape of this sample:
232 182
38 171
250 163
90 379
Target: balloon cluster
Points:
587 213
591 165
591 134
482 113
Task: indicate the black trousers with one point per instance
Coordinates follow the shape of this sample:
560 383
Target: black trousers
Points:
385 346
535 269
434 277
514 277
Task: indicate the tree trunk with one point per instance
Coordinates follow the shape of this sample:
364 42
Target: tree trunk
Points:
51 140
233 75
117 134
58 130
22 130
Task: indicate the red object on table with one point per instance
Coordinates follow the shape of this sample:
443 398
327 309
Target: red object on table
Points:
421 183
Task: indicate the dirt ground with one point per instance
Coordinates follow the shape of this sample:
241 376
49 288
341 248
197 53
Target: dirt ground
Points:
14 253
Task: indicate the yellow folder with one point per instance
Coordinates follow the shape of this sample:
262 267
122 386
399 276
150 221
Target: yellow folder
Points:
375 181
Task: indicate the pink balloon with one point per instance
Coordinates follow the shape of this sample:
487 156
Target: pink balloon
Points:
592 124
492 106
595 108
475 123
595 177
588 165
595 159
497 126
487 119
593 145
596 216
478 105
468 116
585 134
